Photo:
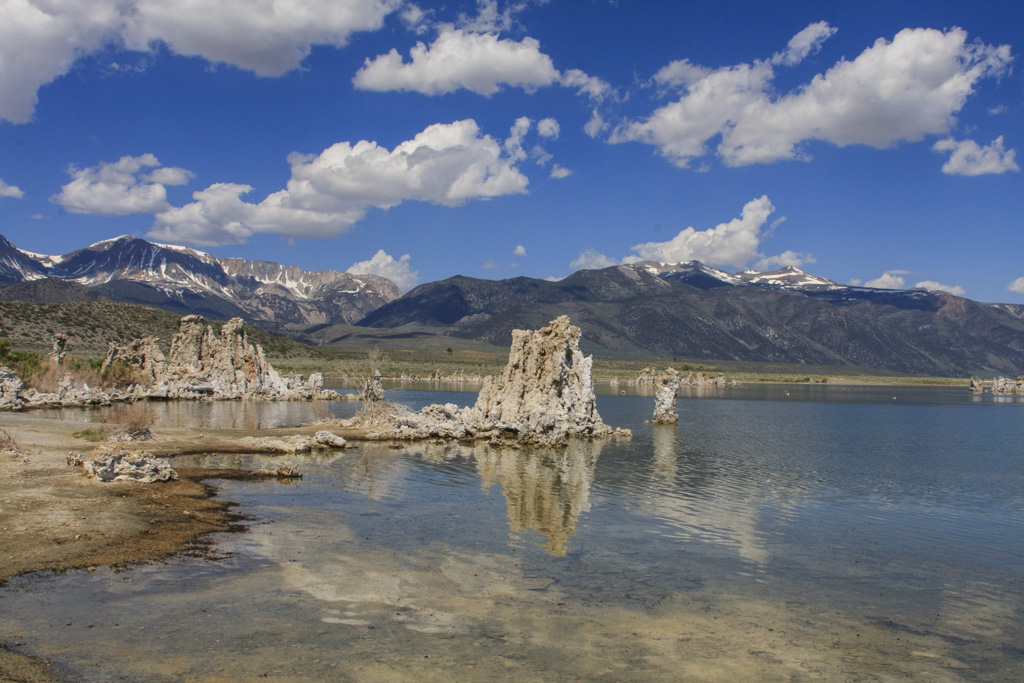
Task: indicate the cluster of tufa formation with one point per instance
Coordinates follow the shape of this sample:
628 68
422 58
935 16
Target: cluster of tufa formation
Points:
202 363
652 376
1000 385
544 395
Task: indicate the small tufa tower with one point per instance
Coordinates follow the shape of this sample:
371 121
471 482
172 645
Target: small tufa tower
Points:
667 384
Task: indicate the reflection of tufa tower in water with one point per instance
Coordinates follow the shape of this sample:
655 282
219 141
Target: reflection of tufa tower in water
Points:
546 490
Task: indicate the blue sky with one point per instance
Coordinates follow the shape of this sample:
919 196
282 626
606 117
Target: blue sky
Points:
870 143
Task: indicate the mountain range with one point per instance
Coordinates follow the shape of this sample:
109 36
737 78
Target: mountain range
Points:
640 310
691 311
185 281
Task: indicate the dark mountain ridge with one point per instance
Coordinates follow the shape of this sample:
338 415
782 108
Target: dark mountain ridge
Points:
641 310
695 313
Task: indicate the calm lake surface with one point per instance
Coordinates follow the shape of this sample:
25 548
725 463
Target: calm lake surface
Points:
778 533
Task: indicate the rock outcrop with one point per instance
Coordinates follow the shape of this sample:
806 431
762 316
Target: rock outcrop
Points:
1000 385
122 465
10 390
1005 385
59 352
544 396
373 388
70 396
143 354
667 385
204 364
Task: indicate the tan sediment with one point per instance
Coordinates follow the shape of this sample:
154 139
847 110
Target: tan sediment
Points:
55 518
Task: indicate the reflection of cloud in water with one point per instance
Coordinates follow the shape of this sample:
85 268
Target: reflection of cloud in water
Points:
704 499
376 470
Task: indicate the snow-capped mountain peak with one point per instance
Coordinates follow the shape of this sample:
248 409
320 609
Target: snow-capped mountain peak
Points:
787 277
187 280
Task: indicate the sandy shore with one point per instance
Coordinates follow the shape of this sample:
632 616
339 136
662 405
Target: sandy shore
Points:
54 518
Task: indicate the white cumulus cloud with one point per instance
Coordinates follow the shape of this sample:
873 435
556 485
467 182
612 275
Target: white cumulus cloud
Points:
520 250
447 164
933 286
804 43
473 57
267 38
894 91
398 271
558 172
891 279
969 158
480 62
549 128
11 191
41 39
1017 285
119 188
736 243
591 259
786 258
584 84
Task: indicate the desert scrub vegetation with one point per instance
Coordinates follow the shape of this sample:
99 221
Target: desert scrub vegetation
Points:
92 434
132 422
23 363
39 371
7 442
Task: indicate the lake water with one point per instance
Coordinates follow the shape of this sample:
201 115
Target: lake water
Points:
777 533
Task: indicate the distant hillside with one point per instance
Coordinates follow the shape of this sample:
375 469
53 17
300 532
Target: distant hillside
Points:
352 336
91 325
48 290
687 311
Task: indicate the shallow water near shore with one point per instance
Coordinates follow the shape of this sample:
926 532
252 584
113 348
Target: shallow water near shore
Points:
779 532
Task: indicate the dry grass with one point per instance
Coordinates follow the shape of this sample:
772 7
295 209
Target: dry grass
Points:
320 412
7 442
378 414
133 423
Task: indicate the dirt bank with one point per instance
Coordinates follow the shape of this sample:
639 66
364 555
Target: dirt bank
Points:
54 518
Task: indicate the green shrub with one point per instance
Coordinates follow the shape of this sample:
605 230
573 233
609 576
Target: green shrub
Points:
24 363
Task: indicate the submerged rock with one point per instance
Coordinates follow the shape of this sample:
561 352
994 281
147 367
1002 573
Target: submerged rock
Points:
294 444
